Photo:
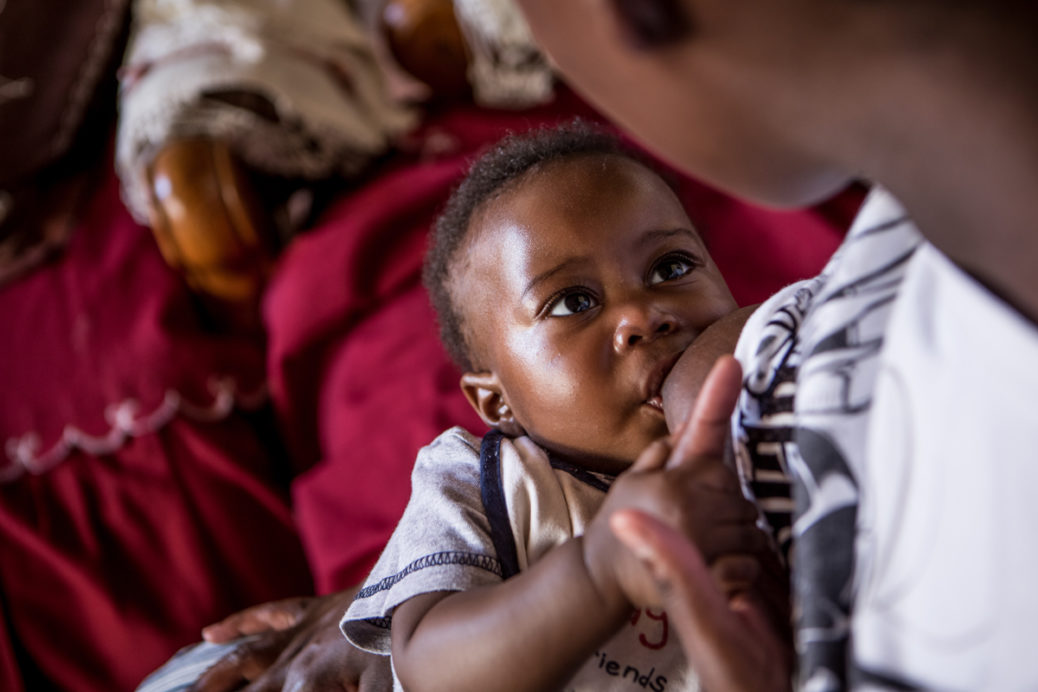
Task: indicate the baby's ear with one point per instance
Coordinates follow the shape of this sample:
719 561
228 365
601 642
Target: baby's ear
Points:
484 392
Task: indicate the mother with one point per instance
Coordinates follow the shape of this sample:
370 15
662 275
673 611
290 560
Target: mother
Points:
907 435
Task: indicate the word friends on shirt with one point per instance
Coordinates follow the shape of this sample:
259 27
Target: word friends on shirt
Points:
653 633
649 680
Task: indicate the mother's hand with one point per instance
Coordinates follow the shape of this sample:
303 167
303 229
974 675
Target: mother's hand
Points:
731 644
296 645
737 643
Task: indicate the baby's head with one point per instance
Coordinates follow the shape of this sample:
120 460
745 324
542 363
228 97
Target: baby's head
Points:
568 279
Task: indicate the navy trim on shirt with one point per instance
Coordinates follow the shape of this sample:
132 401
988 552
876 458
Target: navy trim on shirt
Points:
446 557
492 491
598 481
493 494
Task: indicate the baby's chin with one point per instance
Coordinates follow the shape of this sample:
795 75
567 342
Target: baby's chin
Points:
591 460
616 454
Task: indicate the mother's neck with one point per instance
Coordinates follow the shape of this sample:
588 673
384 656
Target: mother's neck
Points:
952 130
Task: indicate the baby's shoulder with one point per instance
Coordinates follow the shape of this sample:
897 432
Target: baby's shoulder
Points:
456 442
451 458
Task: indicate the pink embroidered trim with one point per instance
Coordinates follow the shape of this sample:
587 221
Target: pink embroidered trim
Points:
23 452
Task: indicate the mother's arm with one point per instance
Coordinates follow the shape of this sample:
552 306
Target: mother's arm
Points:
296 644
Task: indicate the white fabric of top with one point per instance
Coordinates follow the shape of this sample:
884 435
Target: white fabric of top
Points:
811 357
898 394
946 547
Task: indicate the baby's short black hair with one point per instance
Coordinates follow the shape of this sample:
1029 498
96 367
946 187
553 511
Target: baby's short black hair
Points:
493 174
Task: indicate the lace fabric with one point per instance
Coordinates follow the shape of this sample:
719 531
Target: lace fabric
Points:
507 67
309 62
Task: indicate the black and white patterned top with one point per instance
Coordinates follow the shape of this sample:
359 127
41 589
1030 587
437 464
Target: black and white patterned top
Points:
810 356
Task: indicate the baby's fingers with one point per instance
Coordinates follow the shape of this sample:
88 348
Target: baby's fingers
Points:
731 539
694 603
654 456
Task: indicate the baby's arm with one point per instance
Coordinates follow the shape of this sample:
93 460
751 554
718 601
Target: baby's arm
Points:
535 630
530 632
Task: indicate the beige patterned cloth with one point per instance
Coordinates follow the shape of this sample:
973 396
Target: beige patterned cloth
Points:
507 68
317 101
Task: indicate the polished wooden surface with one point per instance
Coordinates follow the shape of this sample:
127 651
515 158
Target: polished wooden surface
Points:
210 226
205 212
425 39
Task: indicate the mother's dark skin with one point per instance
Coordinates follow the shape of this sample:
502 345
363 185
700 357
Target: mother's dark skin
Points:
297 647
682 386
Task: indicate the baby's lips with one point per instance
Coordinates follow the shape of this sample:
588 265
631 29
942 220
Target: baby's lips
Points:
654 390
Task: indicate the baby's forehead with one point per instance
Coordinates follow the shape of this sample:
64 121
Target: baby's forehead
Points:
558 185
585 170
529 209
585 193
565 210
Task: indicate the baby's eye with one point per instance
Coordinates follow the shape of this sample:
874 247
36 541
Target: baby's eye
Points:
670 268
572 303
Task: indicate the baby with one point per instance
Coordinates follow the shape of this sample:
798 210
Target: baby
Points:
568 281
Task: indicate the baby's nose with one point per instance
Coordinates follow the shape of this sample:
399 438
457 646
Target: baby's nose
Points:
638 326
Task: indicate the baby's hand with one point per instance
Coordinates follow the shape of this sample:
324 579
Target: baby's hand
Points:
684 483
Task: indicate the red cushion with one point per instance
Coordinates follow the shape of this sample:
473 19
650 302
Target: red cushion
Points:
114 555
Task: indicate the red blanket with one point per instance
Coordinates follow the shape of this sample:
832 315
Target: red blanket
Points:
144 489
